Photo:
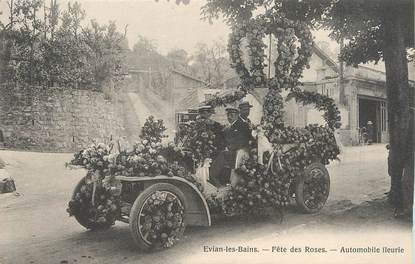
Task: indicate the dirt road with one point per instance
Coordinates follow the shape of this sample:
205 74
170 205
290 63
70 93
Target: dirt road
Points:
35 227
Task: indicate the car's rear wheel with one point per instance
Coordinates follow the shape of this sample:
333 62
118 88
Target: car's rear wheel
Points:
312 189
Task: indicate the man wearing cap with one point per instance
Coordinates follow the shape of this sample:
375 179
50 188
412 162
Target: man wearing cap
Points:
237 136
205 112
238 133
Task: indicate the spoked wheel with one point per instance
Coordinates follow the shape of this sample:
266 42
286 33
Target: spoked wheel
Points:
157 217
313 188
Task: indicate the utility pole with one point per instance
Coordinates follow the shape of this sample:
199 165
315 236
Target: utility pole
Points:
32 48
149 79
269 55
341 76
44 20
11 13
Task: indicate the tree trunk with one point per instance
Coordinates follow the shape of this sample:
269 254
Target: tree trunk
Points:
394 53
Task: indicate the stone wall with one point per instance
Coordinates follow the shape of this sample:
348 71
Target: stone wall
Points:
57 119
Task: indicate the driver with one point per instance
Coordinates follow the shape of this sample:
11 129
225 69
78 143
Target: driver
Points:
237 136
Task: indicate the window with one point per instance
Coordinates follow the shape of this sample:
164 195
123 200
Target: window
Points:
323 88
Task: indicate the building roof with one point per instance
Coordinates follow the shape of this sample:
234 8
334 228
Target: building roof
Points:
322 54
364 69
188 76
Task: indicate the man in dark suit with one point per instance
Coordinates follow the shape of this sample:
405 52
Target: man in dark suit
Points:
237 136
238 133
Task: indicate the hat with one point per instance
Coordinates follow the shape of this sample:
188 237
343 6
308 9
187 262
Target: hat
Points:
192 110
244 105
231 109
206 108
369 122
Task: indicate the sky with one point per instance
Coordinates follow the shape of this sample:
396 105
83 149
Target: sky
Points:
169 25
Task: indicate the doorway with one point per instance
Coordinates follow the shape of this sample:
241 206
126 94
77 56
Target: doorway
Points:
369 112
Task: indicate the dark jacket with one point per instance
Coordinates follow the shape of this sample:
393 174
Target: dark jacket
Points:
238 135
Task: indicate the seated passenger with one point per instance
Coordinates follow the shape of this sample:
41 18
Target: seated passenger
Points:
237 136
244 111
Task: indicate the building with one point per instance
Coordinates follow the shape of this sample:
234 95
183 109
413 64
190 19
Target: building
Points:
359 93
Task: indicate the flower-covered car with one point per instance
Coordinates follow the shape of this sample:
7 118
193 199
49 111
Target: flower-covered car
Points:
160 188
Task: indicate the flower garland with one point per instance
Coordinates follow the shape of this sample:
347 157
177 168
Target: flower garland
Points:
254 32
153 130
202 139
322 103
100 212
291 59
263 187
218 101
258 187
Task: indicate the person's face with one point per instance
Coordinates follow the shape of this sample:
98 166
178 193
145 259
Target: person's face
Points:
232 117
205 114
244 111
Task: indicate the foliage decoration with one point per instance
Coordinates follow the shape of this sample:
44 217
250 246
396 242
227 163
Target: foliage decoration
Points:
269 186
201 140
153 130
253 32
291 59
258 188
289 65
322 103
262 186
218 101
102 211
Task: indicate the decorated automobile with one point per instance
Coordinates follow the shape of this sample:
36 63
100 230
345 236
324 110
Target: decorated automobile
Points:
159 188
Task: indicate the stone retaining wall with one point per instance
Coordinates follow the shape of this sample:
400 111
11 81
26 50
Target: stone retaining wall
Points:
56 119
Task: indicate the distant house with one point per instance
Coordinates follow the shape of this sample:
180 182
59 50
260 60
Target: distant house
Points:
186 90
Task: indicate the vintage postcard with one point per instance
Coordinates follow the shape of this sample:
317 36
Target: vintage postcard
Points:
206 131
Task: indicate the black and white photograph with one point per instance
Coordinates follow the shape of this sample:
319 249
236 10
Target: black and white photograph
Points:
207 131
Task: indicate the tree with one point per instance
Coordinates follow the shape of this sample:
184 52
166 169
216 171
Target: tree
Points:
372 30
103 52
56 47
145 55
178 58
19 38
211 63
